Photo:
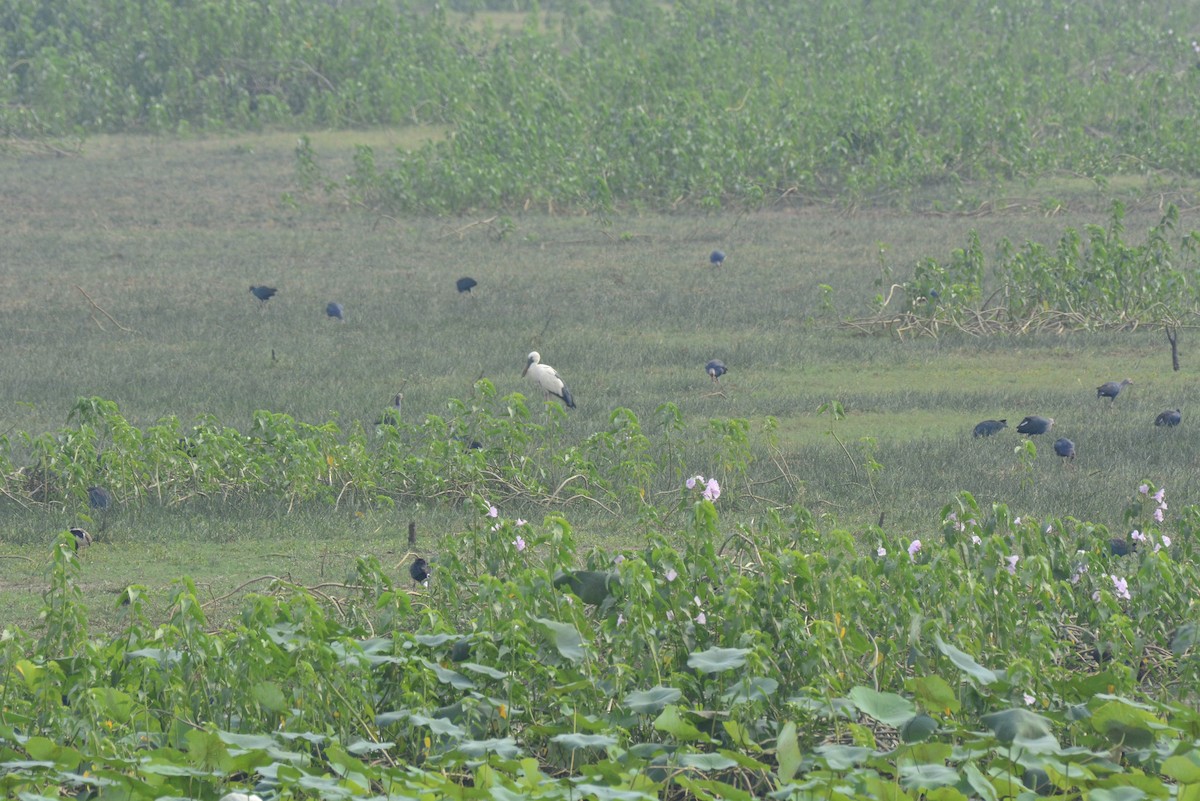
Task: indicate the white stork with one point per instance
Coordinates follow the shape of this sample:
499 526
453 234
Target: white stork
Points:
547 378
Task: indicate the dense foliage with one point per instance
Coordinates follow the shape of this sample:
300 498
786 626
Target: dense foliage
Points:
702 103
773 657
998 656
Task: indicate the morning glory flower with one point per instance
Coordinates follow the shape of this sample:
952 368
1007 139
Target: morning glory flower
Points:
1012 563
493 511
1158 496
882 551
1144 489
1137 536
691 482
913 547
1121 587
671 574
712 490
519 542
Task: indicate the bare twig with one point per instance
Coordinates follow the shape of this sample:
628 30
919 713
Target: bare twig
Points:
102 311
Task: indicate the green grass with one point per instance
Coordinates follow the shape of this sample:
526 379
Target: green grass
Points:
166 237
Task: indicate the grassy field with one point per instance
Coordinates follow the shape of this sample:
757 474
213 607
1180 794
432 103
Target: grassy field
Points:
126 272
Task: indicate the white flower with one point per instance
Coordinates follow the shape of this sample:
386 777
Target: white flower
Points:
1012 563
671 574
882 551
1029 699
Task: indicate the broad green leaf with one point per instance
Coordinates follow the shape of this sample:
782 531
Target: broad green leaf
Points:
917 728
566 638
711 788
707 761
887 708
439 726
981 784
1183 768
1185 638
1125 724
603 793
653 700
1116 794
576 741
483 670
452 677
1022 727
927 777
787 751
269 695
934 693
966 663
716 659
503 747
673 723
434 640
42 748
750 689
843 757
206 750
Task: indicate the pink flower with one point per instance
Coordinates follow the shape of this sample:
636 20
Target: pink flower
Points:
691 482
670 615
1166 541
1029 699
1012 563
701 619
1144 489
976 539
882 551
519 542
913 547
712 490
1137 536
1121 588
493 511
1017 521
1158 515
520 521
671 574
1158 496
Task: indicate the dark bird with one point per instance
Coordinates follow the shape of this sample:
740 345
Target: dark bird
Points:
1111 389
989 427
99 498
1064 448
466 283
82 538
391 415
1121 547
716 258
263 293
336 311
1171 417
419 570
547 378
715 369
1035 424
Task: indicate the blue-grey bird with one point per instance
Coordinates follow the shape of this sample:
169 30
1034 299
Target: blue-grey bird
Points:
1035 424
336 311
391 415
99 498
715 369
263 293
989 427
716 258
1171 417
547 378
1064 448
466 283
1111 389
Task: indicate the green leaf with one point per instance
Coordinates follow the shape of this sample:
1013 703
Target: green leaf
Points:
1022 727
1124 724
575 741
566 638
1185 638
934 693
206 750
503 747
452 677
965 663
673 723
917 728
42 748
927 777
269 696
1183 768
483 670
887 708
603 793
843 757
707 761
750 689
716 659
787 752
439 726
653 700
981 784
